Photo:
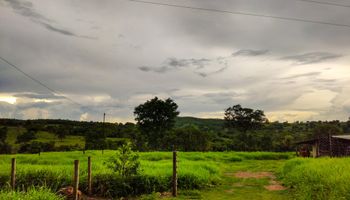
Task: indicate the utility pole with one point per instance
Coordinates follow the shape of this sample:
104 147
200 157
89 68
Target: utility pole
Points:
104 131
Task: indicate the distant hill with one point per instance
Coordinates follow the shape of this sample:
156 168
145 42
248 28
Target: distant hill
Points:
202 123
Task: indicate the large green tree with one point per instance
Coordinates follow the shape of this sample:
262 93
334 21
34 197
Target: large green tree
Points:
244 119
154 118
188 138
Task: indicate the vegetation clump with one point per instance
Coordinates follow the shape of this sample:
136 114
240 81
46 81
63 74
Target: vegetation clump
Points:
126 162
322 178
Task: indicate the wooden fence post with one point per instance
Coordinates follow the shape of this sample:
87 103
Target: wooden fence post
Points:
13 174
76 179
174 174
89 176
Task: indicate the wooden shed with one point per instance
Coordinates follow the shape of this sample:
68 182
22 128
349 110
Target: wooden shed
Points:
331 145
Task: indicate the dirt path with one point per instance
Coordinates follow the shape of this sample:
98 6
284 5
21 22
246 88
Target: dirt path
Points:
249 180
273 184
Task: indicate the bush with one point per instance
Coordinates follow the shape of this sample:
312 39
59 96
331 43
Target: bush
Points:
126 163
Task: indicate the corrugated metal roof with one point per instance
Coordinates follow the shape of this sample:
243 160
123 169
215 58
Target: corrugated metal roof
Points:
345 137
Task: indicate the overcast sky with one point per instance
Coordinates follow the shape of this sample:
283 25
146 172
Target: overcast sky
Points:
112 55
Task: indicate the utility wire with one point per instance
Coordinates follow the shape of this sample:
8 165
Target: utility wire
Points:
326 3
39 82
243 13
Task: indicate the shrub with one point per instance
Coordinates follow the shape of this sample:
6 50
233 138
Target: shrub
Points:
126 163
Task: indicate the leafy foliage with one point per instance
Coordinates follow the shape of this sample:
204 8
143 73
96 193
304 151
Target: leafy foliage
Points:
244 119
188 138
326 130
26 137
126 162
154 118
270 136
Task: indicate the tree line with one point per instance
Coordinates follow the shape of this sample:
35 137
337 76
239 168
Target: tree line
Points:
159 127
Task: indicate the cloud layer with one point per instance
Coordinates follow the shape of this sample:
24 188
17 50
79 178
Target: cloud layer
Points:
112 56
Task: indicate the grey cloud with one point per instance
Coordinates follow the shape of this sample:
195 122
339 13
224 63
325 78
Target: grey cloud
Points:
175 63
58 30
83 69
196 64
250 52
145 68
38 96
40 104
25 8
64 32
312 57
310 74
223 98
203 74
326 80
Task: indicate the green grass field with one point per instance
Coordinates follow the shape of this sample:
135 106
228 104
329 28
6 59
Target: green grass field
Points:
211 175
197 171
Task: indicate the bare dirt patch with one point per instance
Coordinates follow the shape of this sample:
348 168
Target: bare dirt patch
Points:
254 175
273 184
229 191
238 185
275 187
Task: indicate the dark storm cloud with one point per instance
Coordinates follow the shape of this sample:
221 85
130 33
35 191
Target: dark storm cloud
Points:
25 8
250 52
312 57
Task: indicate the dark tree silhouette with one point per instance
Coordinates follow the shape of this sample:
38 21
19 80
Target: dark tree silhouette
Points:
154 118
244 119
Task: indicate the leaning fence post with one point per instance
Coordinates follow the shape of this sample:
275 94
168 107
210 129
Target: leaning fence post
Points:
76 179
13 173
89 176
174 173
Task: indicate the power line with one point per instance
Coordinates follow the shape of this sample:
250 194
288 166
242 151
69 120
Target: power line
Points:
39 82
326 3
243 13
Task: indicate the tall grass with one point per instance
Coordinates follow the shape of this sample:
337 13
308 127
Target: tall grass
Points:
55 169
30 194
321 178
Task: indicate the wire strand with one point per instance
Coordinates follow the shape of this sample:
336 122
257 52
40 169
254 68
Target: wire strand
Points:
39 82
243 13
325 3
